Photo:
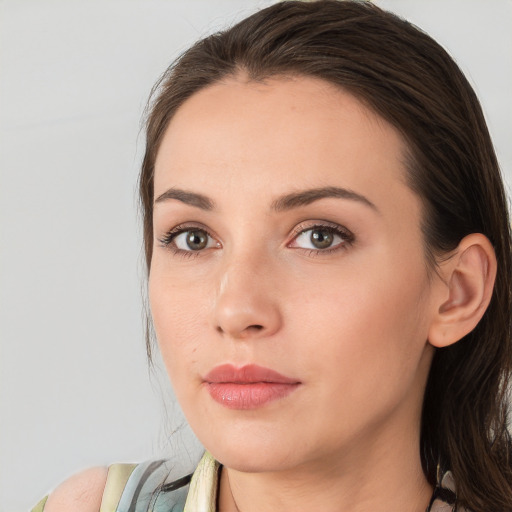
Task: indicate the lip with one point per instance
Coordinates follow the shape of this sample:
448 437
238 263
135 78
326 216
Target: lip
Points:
248 387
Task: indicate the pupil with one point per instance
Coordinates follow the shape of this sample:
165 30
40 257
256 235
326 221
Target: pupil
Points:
321 239
197 240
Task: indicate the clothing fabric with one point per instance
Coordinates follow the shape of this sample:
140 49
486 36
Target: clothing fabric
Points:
154 487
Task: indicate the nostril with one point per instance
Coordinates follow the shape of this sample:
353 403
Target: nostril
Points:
254 327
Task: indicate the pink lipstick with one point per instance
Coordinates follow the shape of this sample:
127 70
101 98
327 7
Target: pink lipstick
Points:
248 387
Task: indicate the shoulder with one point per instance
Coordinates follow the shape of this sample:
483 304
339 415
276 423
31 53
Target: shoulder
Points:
157 485
81 493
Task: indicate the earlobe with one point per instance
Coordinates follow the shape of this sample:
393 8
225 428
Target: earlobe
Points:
466 290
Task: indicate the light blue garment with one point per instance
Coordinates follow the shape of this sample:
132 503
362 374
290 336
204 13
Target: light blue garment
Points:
154 487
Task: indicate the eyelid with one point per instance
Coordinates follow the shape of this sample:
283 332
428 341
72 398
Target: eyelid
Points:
316 223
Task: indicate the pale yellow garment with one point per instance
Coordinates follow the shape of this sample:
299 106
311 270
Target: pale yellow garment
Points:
117 477
202 494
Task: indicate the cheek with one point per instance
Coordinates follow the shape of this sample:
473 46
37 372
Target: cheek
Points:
367 358
364 327
177 310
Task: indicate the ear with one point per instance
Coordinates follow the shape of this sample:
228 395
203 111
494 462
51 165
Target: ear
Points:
465 288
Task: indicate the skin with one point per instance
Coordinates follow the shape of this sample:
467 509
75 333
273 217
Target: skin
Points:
350 323
80 493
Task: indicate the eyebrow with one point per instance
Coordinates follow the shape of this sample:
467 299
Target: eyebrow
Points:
283 203
305 197
190 198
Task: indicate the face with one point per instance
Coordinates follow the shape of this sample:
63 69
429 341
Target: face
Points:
288 284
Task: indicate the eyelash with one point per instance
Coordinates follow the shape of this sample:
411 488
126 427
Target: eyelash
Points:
348 238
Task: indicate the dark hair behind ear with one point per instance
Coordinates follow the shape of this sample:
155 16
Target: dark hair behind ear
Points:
408 79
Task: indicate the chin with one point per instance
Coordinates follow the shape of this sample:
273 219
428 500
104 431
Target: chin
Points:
254 462
252 454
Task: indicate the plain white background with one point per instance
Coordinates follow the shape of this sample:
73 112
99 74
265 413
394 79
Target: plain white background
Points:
74 77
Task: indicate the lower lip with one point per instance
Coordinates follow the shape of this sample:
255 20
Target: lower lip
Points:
248 396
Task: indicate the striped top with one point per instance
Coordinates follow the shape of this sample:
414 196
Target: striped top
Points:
154 487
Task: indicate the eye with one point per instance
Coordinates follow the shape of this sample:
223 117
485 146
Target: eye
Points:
322 238
183 239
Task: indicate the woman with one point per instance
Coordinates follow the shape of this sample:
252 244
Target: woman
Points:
328 252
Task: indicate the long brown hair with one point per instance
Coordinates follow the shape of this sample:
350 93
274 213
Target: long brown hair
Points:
408 79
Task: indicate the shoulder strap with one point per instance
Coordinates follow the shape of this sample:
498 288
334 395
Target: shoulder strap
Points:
117 476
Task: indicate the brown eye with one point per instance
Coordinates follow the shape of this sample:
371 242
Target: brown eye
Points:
196 240
321 238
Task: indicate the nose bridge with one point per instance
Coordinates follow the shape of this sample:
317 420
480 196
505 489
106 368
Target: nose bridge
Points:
246 304
241 269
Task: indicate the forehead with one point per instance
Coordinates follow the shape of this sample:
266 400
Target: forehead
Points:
284 132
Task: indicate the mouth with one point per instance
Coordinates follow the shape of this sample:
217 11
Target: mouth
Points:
248 387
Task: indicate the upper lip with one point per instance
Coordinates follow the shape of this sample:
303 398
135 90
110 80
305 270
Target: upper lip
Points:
248 374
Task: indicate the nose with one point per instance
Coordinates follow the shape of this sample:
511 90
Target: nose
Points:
246 305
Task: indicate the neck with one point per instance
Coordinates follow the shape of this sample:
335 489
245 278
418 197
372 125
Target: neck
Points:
365 477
